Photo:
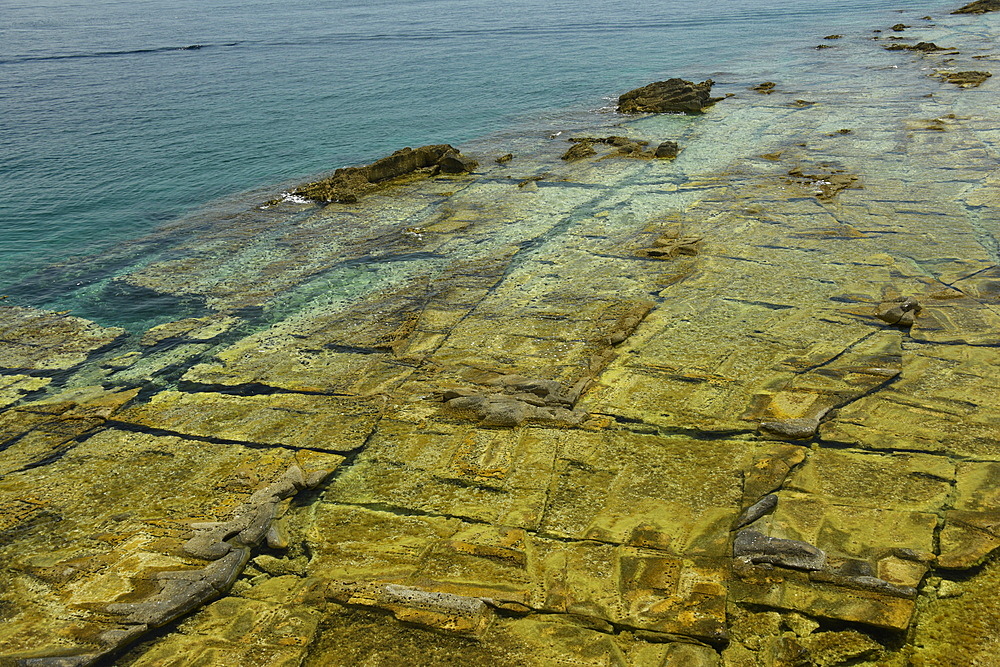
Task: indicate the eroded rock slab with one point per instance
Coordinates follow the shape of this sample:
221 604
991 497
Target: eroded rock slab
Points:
42 341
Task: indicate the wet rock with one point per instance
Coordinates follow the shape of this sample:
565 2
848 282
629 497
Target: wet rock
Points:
865 582
670 96
349 183
828 649
759 548
791 429
441 611
666 150
584 147
970 79
824 185
762 507
922 47
456 163
39 340
670 244
14 387
833 37
182 591
968 538
901 311
579 151
979 7
765 88
509 411
950 589
899 27
504 159
190 329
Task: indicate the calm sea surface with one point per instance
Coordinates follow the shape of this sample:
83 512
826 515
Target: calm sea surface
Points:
117 116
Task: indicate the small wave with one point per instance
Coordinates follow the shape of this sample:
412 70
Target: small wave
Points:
113 54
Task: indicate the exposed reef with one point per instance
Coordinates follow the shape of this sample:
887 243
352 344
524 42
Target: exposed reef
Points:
670 96
733 409
349 183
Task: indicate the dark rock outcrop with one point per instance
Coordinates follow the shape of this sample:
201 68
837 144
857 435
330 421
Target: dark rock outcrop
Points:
349 183
979 7
670 96
667 150
584 147
765 88
922 47
970 79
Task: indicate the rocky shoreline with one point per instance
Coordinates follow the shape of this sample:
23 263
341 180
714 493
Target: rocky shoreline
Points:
589 403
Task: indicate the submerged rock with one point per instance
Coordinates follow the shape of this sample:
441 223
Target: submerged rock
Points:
584 147
793 429
901 311
971 79
762 507
670 96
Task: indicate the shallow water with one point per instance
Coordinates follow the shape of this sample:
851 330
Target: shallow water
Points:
115 121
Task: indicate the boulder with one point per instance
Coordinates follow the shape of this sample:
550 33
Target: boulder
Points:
670 96
667 149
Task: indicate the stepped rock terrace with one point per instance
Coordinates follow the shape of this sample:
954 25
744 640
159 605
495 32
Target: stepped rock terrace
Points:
738 407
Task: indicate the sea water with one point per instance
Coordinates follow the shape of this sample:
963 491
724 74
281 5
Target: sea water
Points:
117 117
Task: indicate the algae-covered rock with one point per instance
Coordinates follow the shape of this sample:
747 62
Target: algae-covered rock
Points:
349 183
979 7
43 341
670 96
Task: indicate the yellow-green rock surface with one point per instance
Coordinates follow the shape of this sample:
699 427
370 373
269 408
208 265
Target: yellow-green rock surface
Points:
740 408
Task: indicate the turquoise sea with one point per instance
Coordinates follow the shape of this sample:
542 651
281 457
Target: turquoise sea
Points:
116 117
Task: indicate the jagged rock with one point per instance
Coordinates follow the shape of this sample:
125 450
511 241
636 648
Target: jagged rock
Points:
579 151
349 183
760 508
765 88
456 163
899 27
666 150
792 429
979 7
584 147
504 159
759 548
670 96
901 311
922 47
